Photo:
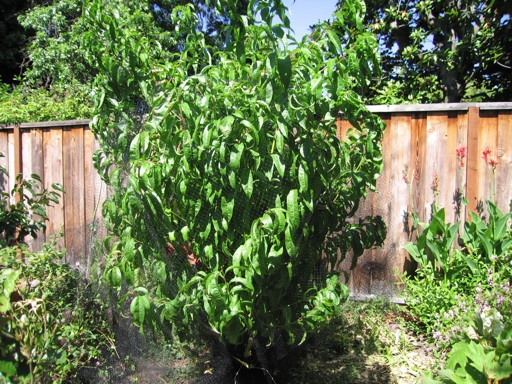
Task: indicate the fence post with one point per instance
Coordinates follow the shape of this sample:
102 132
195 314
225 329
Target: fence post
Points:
473 157
17 156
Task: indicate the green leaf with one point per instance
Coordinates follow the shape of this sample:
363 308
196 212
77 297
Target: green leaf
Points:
235 157
114 277
501 227
284 67
280 166
7 368
335 40
289 241
303 180
458 356
226 125
292 209
247 182
269 93
129 248
486 243
227 208
138 308
160 271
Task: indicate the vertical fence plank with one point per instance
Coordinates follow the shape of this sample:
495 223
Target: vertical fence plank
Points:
435 161
16 161
26 169
53 174
36 144
448 188
504 169
488 138
94 197
461 170
12 168
472 176
4 161
74 204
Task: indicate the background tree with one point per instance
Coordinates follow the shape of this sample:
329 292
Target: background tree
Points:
55 54
13 38
42 45
442 51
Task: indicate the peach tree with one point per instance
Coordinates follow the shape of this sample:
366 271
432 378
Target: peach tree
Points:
233 198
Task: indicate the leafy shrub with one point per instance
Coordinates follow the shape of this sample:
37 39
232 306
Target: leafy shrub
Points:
34 105
27 215
51 322
232 183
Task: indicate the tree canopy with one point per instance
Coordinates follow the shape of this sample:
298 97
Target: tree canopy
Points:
13 38
442 50
43 48
56 53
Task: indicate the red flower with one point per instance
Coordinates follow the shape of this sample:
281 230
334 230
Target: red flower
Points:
461 154
493 162
487 151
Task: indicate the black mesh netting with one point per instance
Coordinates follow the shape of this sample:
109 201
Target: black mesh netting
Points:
183 257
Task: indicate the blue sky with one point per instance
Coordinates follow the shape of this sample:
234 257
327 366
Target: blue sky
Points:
304 13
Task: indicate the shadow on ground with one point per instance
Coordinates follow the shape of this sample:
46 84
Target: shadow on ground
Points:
353 349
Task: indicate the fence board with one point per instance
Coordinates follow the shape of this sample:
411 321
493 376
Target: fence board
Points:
462 165
504 170
4 161
32 155
472 191
423 137
53 174
74 199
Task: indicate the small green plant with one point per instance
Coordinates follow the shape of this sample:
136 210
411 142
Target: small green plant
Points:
51 321
23 209
461 291
481 349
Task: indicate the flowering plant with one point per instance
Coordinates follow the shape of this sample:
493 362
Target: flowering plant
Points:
461 291
482 353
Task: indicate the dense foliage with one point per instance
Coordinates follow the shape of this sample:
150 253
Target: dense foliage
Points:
231 182
461 292
42 46
442 51
22 105
51 322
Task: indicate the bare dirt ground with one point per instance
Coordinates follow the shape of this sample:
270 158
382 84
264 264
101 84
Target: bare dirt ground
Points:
369 345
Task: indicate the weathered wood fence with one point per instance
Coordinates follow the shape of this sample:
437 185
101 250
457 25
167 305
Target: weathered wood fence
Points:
424 139
420 139
59 152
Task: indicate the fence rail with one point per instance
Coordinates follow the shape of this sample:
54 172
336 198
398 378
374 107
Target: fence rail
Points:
422 138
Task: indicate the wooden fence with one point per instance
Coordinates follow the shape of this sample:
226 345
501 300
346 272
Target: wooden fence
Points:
420 138
60 152
424 139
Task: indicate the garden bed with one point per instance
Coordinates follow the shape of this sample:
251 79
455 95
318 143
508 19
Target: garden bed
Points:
370 343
